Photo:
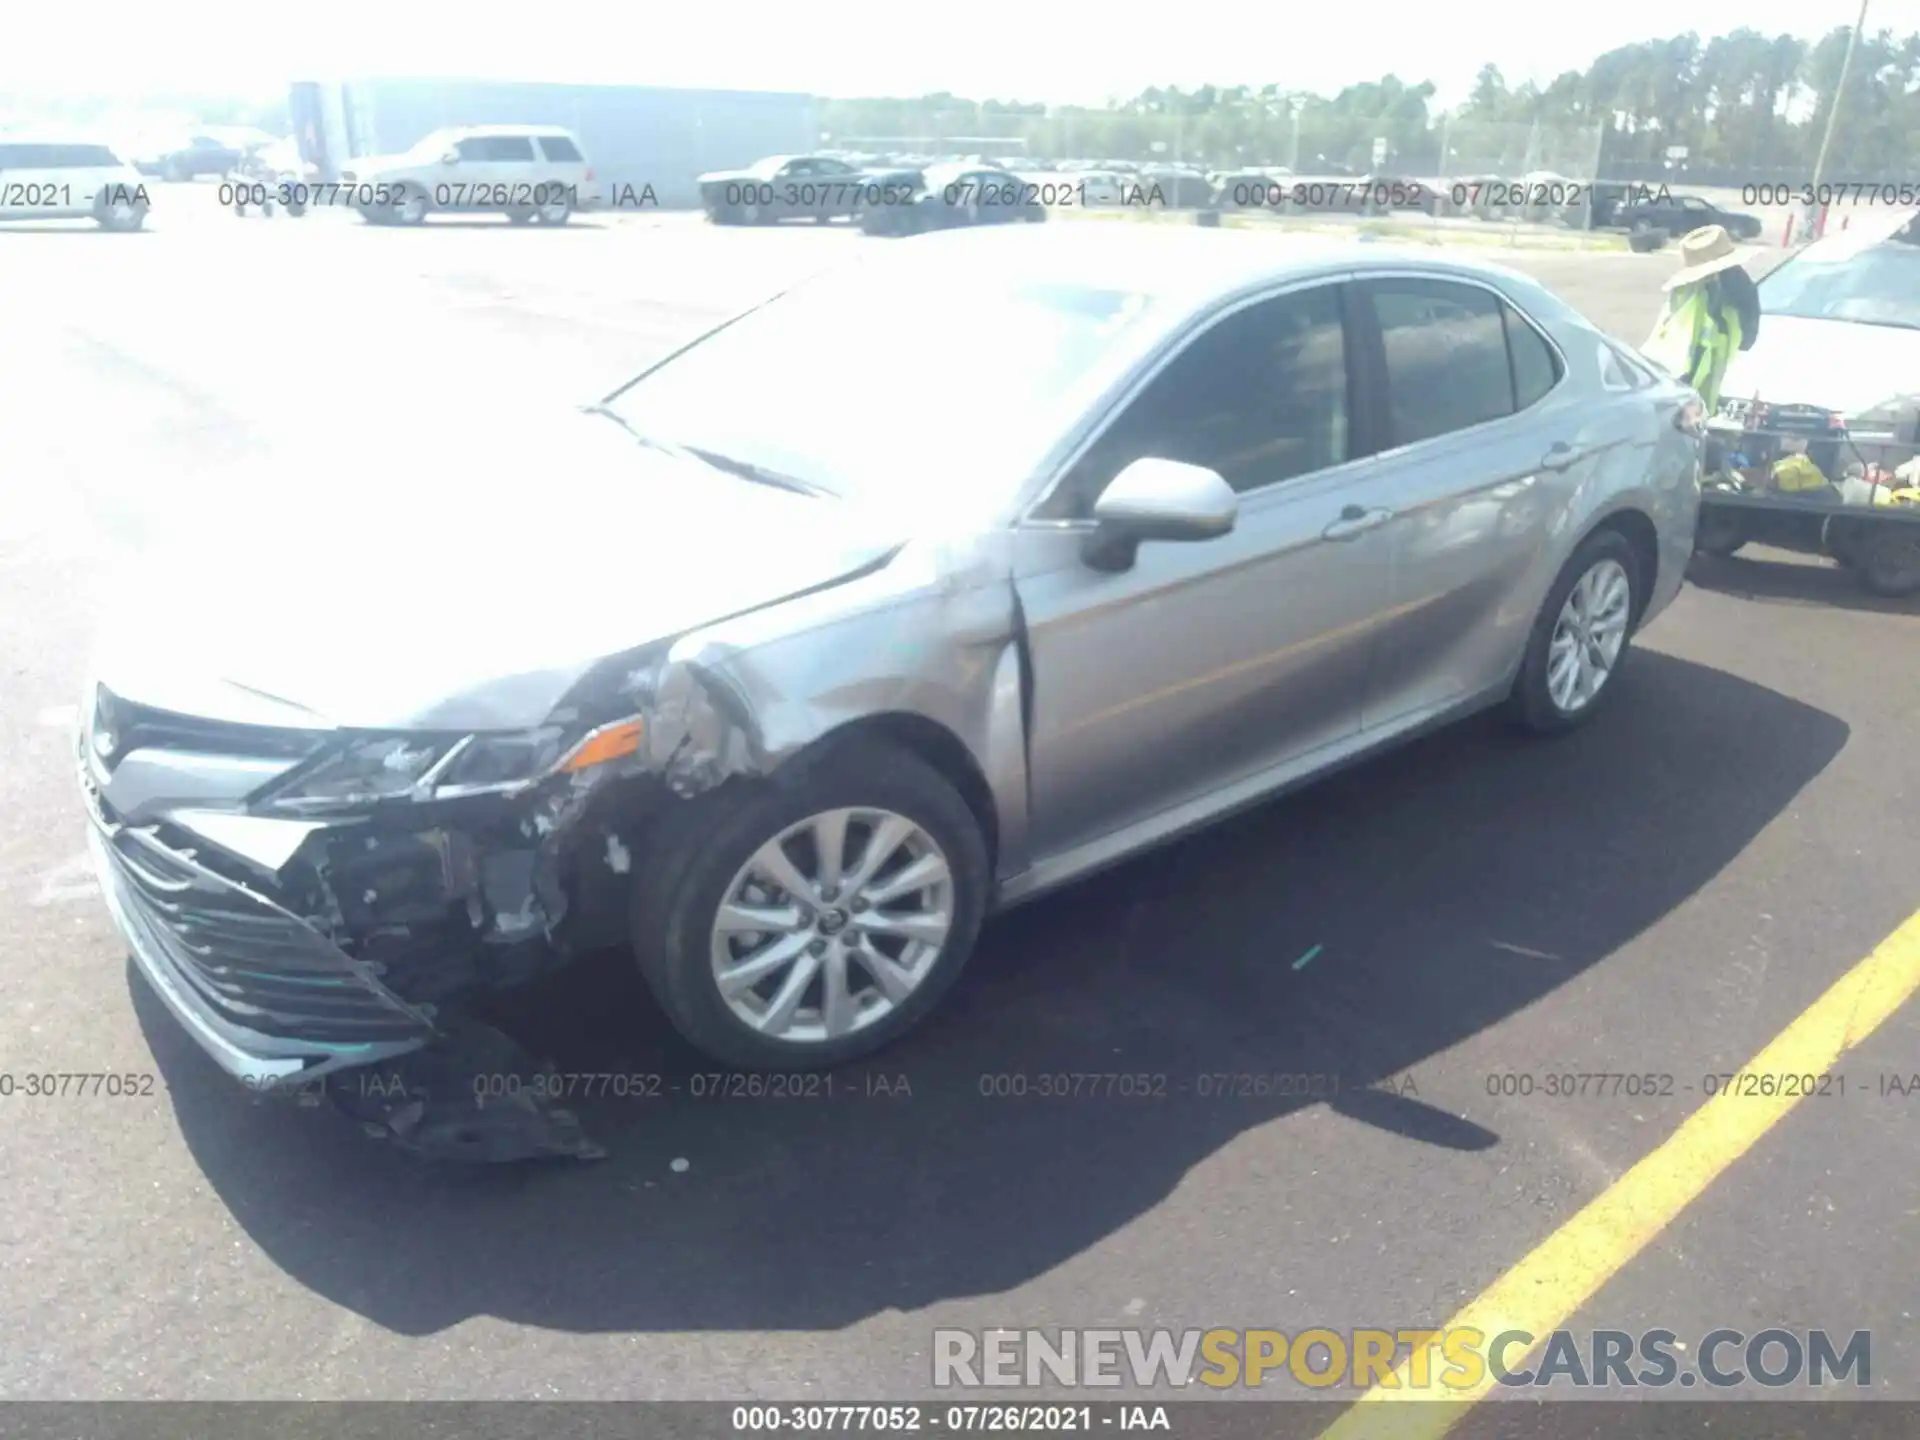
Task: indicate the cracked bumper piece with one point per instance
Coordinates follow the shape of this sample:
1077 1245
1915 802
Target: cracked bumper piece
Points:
263 993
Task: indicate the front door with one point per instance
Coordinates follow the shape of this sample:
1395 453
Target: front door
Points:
1207 662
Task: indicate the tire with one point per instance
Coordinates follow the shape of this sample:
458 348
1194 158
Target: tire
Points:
1890 562
123 217
409 207
520 215
1719 535
554 212
1533 704
705 858
748 214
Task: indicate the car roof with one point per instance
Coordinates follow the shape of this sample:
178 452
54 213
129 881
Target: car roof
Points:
480 130
1186 265
1885 227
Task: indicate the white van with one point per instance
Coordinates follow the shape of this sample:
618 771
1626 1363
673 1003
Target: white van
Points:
58 176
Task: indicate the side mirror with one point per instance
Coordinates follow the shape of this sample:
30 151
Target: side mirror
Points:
452 157
1157 500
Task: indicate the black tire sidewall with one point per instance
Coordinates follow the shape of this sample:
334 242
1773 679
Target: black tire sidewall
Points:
675 903
1874 572
1531 704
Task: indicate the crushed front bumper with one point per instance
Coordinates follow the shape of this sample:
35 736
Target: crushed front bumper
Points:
266 995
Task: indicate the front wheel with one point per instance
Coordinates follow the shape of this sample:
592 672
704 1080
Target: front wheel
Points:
409 207
805 921
1580 640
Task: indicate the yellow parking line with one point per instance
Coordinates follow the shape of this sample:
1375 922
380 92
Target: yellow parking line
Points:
1540 1293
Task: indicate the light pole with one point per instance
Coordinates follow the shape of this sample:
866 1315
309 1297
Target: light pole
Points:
1839 94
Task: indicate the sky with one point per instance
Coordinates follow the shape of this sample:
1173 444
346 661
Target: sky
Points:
1008 49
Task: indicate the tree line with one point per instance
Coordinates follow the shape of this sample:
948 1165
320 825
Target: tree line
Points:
1744 107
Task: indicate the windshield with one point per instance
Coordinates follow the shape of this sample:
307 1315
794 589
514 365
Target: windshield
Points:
435 145
1880 286
876 383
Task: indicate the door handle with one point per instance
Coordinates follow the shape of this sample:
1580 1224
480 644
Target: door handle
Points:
1354 522
1560 458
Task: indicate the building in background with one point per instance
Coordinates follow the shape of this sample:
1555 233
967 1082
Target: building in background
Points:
634 136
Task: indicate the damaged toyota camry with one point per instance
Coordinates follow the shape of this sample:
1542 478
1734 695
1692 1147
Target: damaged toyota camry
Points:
1133 528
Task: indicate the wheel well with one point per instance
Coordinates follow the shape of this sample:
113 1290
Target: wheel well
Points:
940 748
1638 531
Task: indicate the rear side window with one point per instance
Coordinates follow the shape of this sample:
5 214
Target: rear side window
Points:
496 147
1446 354
558 147
1536 368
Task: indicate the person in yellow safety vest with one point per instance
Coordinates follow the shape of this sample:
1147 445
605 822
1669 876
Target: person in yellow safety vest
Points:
1710 312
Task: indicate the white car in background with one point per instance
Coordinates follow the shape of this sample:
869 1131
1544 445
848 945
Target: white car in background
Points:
58 175
525 172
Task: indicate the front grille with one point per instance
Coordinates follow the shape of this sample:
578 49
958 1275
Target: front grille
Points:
253 963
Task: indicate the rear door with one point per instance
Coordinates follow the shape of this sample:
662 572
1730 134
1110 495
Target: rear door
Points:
1485 445
84 171
562 163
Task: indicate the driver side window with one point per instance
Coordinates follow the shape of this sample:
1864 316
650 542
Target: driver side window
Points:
1260 397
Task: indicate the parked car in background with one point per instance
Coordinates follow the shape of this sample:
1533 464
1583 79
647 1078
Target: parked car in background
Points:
1177 189
55 174
527 173
949 197
1641 209
791 187
215 150
1834 376
1200 553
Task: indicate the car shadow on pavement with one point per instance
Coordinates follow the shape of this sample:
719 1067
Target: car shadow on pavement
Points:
1445 886
1784 578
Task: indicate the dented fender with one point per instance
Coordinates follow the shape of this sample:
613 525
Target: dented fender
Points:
922 637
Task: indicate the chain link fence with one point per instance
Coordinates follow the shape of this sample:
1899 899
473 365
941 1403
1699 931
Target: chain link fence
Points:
1279 156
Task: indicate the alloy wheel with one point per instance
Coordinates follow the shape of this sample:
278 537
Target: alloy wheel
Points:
1588 636
832 925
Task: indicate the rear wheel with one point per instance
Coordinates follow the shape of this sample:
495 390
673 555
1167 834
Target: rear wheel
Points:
119 212
554 210
1890 562
1719 533
801 923
1581 638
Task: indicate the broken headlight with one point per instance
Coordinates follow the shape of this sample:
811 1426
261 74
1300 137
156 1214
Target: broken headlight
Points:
367 770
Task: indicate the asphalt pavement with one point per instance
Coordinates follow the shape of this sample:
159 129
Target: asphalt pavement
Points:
1661 893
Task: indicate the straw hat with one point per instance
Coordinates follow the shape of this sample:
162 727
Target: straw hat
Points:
1706 251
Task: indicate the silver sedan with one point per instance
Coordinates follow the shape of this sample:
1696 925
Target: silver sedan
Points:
927 587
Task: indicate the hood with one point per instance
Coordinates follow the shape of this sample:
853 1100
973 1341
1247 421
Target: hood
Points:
1835 364
444 591
727 177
